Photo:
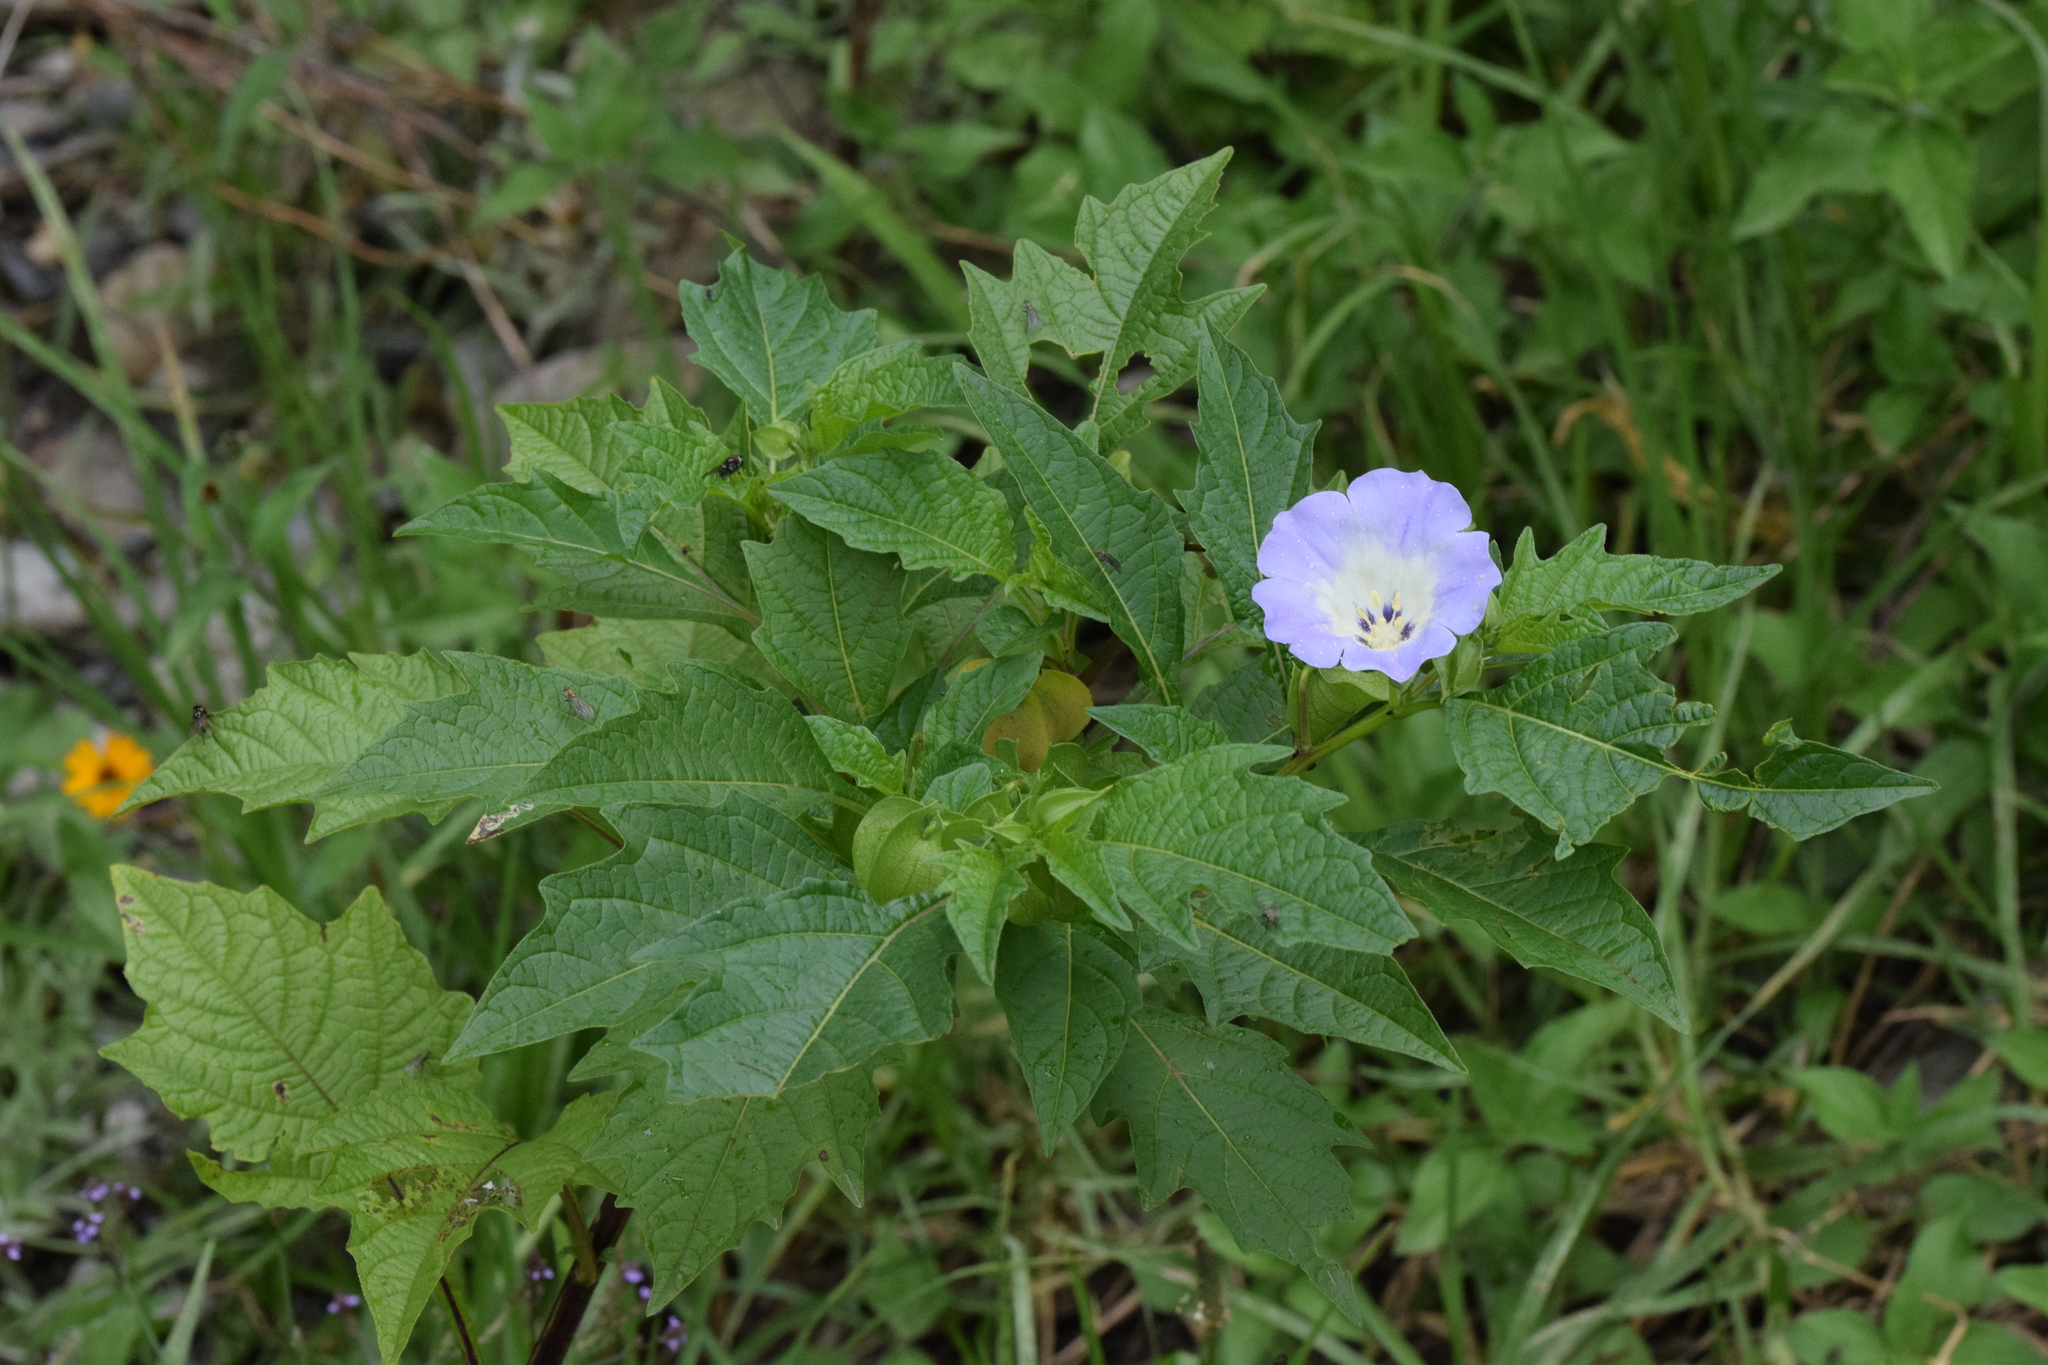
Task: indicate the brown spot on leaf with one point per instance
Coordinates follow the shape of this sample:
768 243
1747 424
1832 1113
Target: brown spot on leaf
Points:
282 1091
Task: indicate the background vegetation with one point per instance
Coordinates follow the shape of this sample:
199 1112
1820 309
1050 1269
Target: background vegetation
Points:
1743 281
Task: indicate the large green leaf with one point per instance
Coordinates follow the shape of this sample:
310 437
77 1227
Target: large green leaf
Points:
1131 304
1569 914
918 504
1208 832
488 740
1254 461
1167 733
1068 991
696 1175
831 618
688 565
996 326
566 440
290 738
577 968
1244 968
660 465
263 1022
599 543
416 1164
1807 788
1135 244
879 384
313 1046
715 735
977 696
1122 542
1577 736
796 986
1217 1109
642 651
1173 350
1583 577
770 336
1248 704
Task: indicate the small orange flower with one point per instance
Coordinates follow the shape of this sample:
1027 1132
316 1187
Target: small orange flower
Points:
101 771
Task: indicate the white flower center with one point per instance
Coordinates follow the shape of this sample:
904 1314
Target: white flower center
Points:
1378 598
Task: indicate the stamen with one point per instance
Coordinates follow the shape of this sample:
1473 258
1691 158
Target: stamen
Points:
1381 623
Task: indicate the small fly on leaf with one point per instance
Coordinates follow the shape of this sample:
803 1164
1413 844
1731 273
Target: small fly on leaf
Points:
582 708
1031 318
202 720
730 466
1109 561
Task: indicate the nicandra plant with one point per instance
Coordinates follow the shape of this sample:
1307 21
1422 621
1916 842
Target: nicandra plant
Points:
830 711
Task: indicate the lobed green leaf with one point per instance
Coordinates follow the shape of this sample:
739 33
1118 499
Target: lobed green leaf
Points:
799 985
1217 1109
578 968
1206 831
831 618
305 725
1577 736
1253 461
1567 914
715 735
1244 967
1122 542
916 504
1068 991
772 337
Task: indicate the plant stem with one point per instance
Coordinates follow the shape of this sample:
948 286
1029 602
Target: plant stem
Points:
552 1346
579 1235
455 1315
1355 731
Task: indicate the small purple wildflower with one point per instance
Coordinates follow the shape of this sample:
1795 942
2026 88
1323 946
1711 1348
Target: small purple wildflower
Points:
1382 577
10 1247
675 1333
96 1191
87 1229
540 1273
636 1275
344 1303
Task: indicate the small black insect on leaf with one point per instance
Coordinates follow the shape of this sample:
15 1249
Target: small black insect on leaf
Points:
202 721
1109 561
582 708
730 467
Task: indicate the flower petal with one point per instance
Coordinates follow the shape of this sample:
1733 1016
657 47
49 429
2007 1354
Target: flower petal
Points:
1309 541
1410 512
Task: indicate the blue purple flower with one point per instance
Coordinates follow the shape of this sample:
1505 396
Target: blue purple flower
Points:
344 1303
1384 576
10 1247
